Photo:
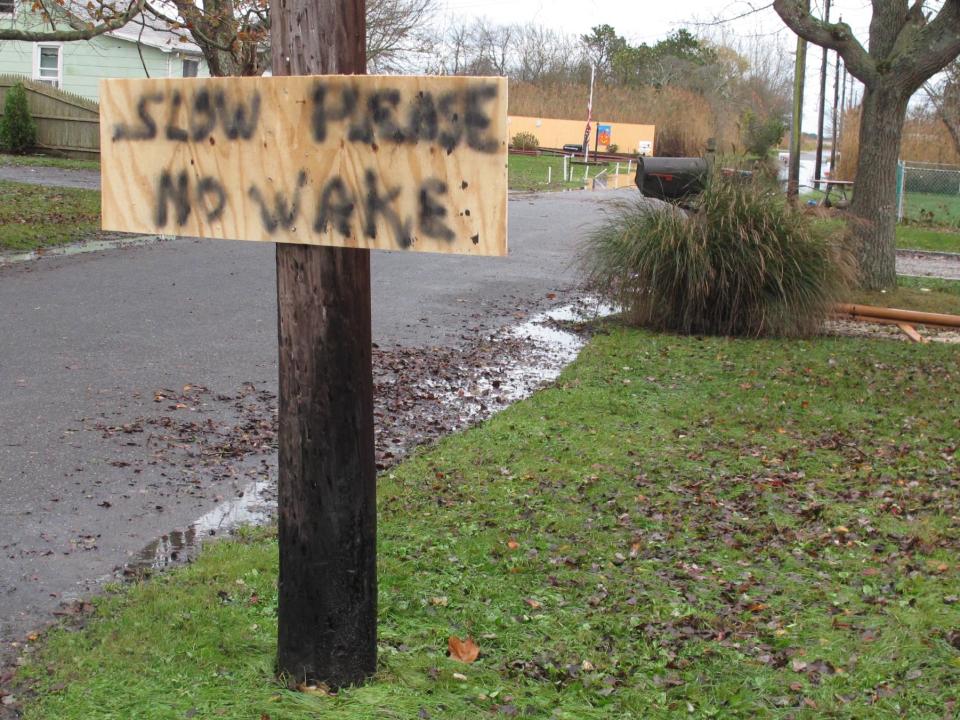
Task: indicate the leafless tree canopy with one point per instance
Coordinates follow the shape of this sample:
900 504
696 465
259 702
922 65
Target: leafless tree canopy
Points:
944 97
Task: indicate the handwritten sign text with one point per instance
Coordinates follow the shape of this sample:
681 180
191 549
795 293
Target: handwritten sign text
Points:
396 163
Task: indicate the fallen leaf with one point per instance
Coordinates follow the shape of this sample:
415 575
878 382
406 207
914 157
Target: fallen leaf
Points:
318 689
535 604
465 651
512 544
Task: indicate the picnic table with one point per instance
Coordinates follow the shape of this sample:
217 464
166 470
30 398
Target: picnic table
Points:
841 186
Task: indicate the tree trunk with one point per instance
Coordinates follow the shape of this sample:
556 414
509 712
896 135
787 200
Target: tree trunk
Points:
327 476
874 203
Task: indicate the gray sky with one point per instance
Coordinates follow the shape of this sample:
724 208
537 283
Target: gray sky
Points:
647 20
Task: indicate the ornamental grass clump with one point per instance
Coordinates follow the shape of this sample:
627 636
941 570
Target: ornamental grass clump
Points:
741 262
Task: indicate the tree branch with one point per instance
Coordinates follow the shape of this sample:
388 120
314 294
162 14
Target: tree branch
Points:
833 36
114 23
935 45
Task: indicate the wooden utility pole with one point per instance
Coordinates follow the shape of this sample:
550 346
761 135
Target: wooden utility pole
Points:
796 136
327 473
818 162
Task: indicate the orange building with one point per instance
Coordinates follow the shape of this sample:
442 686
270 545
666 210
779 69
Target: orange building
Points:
554 133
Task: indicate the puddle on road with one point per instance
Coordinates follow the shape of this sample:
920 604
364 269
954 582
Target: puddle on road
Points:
255 505
546 350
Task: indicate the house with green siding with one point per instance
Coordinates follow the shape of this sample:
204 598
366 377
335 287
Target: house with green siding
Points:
134 51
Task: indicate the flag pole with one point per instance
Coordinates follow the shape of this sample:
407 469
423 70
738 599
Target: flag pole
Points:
586 132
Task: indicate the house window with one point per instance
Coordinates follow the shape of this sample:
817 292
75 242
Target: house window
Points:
190 68
47 64
8 7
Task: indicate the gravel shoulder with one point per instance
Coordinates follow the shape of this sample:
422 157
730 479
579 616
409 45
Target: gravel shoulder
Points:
928 264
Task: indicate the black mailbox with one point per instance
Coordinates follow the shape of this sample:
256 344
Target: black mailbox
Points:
666 178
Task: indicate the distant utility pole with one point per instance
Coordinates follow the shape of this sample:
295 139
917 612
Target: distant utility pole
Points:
586 132
835 141
799 71
818 162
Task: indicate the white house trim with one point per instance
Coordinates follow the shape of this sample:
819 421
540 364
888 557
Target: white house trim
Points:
37 47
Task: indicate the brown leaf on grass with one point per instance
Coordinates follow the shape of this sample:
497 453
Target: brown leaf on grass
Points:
321 689
465 651
512 544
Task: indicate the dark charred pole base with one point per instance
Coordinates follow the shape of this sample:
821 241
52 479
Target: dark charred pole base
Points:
327 480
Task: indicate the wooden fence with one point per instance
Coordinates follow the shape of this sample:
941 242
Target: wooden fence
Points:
67 124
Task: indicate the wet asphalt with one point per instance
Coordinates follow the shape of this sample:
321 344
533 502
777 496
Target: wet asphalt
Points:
88 341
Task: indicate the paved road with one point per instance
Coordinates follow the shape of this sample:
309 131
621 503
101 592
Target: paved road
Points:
89 179
89 339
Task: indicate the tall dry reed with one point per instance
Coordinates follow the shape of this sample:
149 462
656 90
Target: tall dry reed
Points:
684 120
924 140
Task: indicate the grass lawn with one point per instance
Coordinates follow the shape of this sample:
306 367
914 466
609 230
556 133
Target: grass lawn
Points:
931 208
48 161
35 216
681 527
530 173
909 237
913 237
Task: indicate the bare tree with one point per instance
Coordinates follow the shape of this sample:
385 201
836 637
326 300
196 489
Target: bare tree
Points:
398 33
944 96
908 45
49 20
233 35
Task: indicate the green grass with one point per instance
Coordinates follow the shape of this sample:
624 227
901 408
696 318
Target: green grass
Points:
48 161
909 237
37 216
914 237
681 527
530 173
932 209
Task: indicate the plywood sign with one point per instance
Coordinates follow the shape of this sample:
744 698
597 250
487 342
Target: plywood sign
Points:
393 163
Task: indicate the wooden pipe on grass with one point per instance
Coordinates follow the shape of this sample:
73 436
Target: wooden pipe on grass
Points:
895 316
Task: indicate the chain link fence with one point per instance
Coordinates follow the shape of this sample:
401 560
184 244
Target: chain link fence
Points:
928 193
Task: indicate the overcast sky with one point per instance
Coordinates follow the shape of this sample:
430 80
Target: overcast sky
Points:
650 20
646 20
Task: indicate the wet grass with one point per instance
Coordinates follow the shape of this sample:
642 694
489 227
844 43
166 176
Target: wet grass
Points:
681 527
37 216
48 161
